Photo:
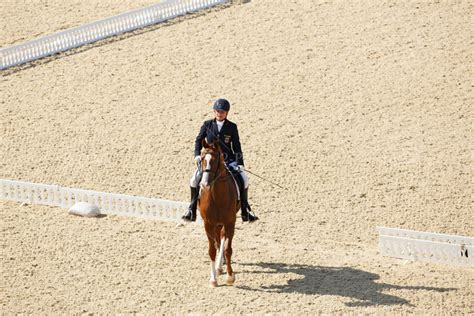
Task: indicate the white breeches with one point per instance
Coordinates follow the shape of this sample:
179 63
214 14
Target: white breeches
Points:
196 178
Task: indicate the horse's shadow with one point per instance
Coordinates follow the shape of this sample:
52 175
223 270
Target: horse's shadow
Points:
359 285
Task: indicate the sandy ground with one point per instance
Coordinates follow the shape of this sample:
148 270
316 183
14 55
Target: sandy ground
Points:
363 111
54 262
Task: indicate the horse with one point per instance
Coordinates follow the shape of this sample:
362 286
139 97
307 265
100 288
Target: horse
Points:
218 206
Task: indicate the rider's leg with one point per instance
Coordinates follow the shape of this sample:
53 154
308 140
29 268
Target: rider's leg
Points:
246 211
190 215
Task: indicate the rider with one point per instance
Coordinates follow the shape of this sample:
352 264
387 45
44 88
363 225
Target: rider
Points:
226 132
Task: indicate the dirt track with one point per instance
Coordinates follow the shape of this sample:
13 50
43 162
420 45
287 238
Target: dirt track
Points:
361 110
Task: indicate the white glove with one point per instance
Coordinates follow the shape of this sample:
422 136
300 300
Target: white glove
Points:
241 168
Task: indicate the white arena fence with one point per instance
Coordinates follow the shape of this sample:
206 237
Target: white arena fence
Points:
108 203
92 32
425 246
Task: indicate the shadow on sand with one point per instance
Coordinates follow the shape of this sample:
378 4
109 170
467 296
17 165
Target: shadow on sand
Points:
359 285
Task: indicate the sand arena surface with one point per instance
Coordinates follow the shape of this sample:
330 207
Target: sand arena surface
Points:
363 110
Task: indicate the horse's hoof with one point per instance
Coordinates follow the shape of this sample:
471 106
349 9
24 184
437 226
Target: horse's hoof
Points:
230 279
220 271
213 283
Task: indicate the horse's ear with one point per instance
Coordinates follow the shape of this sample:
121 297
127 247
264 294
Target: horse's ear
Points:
204 143
217 145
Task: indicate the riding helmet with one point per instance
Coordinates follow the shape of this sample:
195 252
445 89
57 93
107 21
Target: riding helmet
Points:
221 104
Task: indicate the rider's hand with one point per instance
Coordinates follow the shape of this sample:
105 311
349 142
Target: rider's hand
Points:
241 168
197 160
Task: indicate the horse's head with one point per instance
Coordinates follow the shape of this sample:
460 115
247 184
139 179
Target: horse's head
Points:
212 163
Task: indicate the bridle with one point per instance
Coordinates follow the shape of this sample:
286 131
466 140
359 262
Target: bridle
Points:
216 173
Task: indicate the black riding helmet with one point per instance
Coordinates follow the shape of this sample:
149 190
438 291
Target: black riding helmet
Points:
221 104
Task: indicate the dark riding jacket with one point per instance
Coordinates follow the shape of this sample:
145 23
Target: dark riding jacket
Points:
228 140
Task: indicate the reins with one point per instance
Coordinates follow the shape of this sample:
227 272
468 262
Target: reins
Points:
227 147
271 182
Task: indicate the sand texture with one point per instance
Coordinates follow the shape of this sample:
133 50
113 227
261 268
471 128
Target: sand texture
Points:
362 110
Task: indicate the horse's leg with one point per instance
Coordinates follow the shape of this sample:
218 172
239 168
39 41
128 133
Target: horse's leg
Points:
229 234
220 256
212 254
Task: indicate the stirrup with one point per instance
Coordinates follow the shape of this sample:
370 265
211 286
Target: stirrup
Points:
249 216
190 216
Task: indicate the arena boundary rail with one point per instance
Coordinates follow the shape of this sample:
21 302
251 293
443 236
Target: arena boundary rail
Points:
108 203
425 246
95 31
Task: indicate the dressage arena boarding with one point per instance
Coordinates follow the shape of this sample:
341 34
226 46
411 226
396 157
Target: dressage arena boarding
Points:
362 111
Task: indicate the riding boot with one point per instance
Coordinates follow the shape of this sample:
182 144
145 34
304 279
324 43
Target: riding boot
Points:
190 215
246 211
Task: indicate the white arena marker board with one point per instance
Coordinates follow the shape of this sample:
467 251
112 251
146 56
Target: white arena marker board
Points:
426 246
92 32
108 203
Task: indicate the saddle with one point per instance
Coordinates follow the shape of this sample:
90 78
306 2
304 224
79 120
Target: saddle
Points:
239 182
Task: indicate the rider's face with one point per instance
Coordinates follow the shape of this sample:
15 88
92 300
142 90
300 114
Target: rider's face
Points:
220 115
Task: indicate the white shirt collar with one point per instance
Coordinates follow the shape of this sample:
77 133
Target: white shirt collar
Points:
220 124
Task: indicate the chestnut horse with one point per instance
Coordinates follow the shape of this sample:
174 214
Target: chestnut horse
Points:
218 206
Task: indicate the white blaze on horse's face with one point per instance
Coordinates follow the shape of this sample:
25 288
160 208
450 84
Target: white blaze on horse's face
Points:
205 176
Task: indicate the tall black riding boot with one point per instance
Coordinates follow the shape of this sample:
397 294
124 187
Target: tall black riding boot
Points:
246 211
190 215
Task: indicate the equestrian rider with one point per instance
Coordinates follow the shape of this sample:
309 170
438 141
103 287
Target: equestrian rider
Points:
225 131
